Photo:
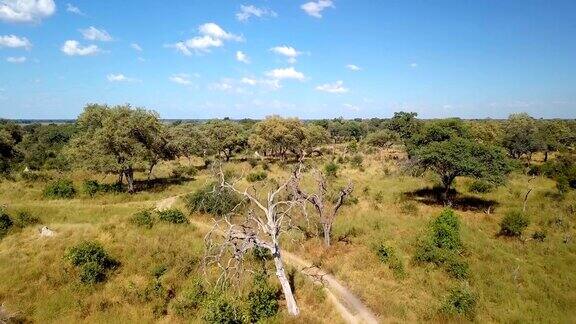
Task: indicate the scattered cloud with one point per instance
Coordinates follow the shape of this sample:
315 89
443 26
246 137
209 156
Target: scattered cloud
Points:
246 12
353 67
249 81
211 35
242 57
413 65
95 34
73 9
269 84
351 107
181 78
25 11
120 78
228 85
73 48
287 73
288 51
20 59
136 47
336 87
315 8
13 41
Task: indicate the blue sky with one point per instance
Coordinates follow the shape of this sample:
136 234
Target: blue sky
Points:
306 58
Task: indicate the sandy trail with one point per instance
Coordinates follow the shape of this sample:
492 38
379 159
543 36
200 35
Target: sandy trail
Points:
346 303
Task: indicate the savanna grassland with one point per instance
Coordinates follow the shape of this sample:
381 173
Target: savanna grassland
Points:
445 220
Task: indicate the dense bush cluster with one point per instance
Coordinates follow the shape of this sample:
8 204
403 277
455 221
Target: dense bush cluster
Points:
479 186
514 223
461 301
60 189
181 171
6 223
442 245
256 176
212 199
143 218
172 215
147 218
92 260
93 187
388 255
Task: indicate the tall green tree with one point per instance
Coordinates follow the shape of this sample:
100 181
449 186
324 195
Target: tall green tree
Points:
225 137
117 140
463 157
521 135
406 124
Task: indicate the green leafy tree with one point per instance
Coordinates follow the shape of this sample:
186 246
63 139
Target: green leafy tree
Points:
117 140
463 157
521 135
225 137
406 124
189 140
552 135
382 139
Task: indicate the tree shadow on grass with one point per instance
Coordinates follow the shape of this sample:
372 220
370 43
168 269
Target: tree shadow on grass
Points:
159 184
434 197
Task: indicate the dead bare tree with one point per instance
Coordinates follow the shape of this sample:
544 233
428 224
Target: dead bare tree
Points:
260 227
325 207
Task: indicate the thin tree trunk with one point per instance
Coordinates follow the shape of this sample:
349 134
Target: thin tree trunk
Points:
286 289
327 227
130 179
121 177
546 156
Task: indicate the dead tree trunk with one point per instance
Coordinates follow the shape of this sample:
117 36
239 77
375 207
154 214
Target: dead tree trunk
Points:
326 209
262 227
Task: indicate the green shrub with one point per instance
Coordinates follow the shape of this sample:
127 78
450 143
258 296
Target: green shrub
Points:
61 188
356 161
5 223
219 310
188 303
24 219
252 162
457 268
539 236
388 255
409 208
90 187
460 301
34 176
262 300
331 170
256 176
479 186
181 171
513 223
172 215
212 199
92 260
143 218
446 230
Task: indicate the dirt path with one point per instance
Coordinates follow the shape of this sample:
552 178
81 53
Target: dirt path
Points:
347 304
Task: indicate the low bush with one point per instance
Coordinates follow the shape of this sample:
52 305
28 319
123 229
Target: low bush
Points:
189 302
60 189
388 255
93 187
35 176
331 170
442 245
539 236
460 301
356 161
143 218
409 208
181 171
92 260
220 309
212 199
256 176
172 215
514 223
262 300
6 223
479 186
24 219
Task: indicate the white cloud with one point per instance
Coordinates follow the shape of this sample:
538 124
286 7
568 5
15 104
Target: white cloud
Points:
242 57
73 9
228 85
336 87
95 34
22 11
287 73
315 8
353 67
249 81
413 65
73 48
270 84
181 78
120 78
13 41
211 35
352 107
20 59
290 52
136 47
216 32
246 12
